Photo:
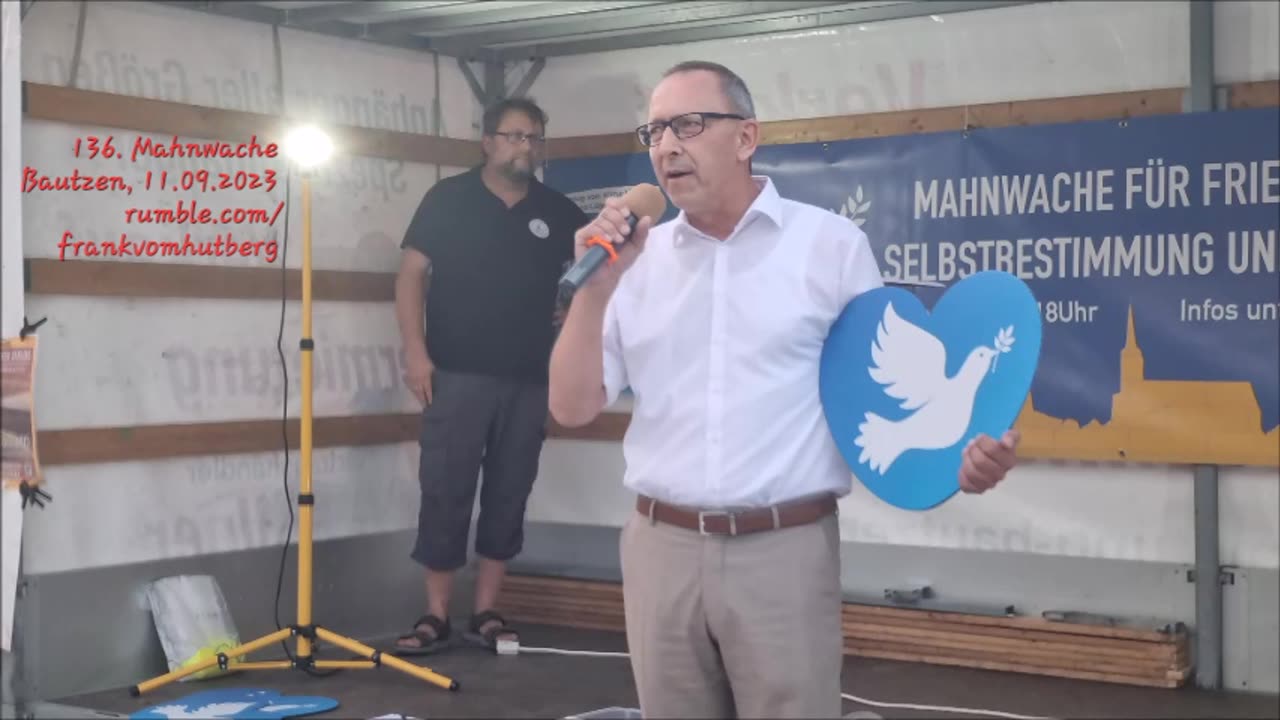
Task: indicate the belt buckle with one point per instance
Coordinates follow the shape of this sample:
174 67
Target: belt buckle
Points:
704 514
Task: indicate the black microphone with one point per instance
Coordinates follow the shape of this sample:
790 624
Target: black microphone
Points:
642 200
596 256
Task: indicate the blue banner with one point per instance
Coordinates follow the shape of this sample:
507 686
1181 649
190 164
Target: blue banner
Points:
1150 244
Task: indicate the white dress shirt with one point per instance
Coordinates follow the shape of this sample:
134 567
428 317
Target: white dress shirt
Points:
721 342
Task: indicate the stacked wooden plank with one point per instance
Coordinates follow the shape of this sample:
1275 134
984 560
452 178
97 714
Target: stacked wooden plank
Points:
1101 652
586 604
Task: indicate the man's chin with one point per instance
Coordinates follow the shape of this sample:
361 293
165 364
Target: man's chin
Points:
680 195
522 165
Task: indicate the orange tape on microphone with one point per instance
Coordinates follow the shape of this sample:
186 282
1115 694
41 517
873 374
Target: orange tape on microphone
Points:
608 247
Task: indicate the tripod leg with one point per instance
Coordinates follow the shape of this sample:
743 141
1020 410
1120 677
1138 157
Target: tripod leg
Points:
409 668
244 649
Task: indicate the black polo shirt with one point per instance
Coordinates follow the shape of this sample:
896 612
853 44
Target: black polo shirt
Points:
495 273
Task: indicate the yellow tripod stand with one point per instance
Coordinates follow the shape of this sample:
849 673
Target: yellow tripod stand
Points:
304 631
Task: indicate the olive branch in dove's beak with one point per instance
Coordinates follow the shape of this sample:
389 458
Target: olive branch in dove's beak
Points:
1004 343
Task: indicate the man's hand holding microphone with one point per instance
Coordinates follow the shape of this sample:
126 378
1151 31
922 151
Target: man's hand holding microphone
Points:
605 249
609 245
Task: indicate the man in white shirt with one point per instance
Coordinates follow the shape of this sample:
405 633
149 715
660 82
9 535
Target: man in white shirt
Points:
716 321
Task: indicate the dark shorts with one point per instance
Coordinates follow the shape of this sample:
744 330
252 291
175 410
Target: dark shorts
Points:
477 423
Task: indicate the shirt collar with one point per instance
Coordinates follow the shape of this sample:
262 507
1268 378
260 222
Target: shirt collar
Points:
768 204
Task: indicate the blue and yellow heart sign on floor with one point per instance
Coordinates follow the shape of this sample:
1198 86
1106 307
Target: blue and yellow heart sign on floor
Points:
238 703
905 389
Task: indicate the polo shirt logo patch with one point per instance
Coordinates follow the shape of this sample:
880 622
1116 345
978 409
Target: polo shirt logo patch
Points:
538 227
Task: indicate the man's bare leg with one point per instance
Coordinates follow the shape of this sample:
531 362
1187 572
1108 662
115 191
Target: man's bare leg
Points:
489 576
439 589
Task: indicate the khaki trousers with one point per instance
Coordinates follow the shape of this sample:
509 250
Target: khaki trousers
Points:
724 627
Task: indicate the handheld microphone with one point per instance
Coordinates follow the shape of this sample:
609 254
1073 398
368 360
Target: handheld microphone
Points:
642 200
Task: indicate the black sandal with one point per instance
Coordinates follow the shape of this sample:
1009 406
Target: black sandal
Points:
426 643
489 638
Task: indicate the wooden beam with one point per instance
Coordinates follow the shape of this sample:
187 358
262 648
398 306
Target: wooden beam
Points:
156 442
107 278
80 446
1264 93
1082 108
582 146
88 107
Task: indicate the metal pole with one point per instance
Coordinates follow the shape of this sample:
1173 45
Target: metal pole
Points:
1199 96
1208 587
1208 646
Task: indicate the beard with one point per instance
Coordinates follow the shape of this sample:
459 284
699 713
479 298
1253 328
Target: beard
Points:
517 170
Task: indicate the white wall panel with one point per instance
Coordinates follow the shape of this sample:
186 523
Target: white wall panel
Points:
153 51
1246 40
1018 53
461 111
117 513
113 361
1085 510
367 85
1249 505
166 53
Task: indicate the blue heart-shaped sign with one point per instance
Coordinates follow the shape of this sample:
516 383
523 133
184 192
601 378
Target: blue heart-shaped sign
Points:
904 390
238 703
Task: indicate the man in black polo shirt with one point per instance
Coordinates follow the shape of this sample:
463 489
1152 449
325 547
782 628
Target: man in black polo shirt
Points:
489 246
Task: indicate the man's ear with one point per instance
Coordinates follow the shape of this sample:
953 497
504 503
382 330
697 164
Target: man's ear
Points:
748 139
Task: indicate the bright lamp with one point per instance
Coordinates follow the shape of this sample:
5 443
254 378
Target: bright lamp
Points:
308 146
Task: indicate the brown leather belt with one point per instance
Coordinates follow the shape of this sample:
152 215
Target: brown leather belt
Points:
742 522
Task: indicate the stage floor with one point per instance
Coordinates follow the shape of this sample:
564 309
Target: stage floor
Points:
555 686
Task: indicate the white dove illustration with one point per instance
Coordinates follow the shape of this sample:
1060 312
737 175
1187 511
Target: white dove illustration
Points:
911 364
214 710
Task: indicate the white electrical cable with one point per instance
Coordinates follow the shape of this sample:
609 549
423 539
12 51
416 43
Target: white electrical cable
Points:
853 698
558 651
943 708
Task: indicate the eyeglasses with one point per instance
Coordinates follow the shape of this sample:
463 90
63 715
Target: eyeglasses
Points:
518 138
685 126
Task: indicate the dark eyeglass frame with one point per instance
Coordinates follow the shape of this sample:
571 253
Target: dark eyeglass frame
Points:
517 138
647 136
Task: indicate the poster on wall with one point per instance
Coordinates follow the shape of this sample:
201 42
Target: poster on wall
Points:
1150 243
19 463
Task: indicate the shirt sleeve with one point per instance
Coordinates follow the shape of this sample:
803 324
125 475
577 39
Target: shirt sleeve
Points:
861 272
427 230
615 369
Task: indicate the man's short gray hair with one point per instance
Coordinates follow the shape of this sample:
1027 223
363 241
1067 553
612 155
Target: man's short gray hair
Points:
732 85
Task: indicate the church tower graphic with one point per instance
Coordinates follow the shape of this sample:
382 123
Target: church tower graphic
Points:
1159 421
